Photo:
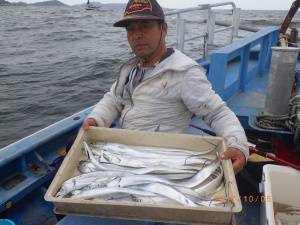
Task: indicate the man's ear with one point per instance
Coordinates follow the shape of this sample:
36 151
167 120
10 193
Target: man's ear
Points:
164 27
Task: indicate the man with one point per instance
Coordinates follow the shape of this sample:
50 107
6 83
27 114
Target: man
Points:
160 89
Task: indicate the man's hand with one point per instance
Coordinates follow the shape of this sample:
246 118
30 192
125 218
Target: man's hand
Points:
87 123
237 158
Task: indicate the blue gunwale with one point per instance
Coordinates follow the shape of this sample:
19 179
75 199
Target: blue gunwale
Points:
29 143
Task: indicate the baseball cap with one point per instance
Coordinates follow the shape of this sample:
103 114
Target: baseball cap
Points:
141 10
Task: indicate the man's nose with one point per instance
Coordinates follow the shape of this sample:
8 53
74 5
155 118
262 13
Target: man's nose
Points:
137 34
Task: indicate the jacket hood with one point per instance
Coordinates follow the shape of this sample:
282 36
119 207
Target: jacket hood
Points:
176 62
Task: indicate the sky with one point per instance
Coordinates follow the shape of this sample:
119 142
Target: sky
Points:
244 4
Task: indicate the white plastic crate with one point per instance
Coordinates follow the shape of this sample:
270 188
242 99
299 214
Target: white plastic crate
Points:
138 211
281 188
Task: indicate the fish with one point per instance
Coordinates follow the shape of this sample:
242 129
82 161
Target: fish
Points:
212 183
151 152
176 176
86 166
169 192
140 162
98 192
137 180
99 178
201 176
116 172
72 185
163 170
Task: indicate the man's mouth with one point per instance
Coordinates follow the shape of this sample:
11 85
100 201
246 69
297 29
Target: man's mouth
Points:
140 46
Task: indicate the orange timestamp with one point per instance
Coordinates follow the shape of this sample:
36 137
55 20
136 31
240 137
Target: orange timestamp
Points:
245 198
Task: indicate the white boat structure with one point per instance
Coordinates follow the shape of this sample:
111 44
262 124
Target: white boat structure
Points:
90 6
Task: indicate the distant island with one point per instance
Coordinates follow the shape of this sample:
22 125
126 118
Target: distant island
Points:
49 3
44 3
3 2
115 5
58 3
106 5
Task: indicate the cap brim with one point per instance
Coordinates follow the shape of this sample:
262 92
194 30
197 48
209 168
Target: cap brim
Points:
124 22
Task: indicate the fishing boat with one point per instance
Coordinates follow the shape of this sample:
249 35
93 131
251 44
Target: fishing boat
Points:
90 6
239 73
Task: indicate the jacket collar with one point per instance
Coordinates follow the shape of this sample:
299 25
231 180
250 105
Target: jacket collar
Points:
175 62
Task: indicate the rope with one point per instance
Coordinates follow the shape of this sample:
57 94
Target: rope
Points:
288 122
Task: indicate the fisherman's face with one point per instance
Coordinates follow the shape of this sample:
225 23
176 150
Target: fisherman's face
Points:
145 37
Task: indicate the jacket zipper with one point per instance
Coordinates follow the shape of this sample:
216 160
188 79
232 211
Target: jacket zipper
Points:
130 96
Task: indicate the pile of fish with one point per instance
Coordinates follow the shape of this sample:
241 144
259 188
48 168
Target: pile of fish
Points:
150 175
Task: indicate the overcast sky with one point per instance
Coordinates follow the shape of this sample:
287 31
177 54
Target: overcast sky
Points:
244 4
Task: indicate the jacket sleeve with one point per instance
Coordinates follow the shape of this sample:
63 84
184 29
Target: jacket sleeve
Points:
107 109
199 97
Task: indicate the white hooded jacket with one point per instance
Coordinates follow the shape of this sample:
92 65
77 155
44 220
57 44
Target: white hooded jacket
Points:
166 99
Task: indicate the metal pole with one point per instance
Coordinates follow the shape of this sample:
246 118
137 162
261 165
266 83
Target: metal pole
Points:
288 19
181 35
200 7
211 26
241 27
205 47
236 21
177 29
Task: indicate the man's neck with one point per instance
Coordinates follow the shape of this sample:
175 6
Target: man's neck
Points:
154 58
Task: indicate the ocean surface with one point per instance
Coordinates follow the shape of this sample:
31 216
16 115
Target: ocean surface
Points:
56 61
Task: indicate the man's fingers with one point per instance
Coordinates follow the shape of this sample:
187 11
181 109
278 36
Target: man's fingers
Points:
238 165
237 158
85 126
229 154
87 123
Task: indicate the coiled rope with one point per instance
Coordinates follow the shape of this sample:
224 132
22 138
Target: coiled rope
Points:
289 122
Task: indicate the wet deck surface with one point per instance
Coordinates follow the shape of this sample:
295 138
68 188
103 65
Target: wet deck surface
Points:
252 100
51 221
249 103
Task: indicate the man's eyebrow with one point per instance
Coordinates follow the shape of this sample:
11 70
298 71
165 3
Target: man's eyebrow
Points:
143 22
147 21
